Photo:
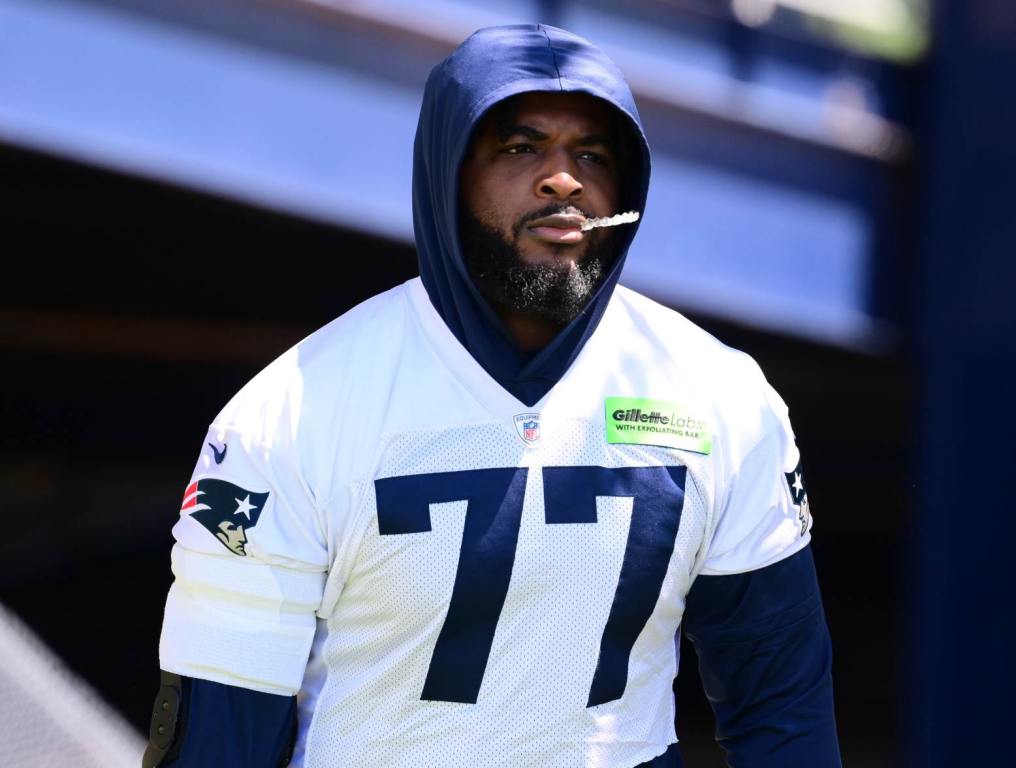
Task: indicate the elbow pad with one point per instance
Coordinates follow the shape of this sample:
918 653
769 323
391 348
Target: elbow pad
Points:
169 720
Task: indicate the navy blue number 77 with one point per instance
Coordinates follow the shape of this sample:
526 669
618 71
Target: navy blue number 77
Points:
494 499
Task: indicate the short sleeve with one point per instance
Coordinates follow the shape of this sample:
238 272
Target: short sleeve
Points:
250 563
763 511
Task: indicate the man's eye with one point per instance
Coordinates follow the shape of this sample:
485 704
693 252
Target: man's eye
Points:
519 149
595 157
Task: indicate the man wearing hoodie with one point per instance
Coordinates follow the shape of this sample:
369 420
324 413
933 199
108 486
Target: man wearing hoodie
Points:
463 524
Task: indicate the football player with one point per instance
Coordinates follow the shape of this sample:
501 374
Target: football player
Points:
464 523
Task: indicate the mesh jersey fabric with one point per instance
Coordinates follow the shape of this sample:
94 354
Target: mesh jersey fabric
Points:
346 607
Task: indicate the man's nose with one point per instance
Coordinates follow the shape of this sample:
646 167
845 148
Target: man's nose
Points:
562 186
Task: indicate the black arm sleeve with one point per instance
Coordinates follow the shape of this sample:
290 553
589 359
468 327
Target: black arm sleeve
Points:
765 658
201 724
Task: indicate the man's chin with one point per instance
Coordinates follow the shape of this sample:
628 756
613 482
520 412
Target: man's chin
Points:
526 275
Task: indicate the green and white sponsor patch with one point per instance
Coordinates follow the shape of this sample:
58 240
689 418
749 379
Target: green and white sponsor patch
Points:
643 421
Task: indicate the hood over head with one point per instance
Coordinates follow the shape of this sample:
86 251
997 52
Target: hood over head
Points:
494 64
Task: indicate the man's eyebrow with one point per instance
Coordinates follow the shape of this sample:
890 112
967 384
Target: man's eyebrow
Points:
598 139
533 134
529 132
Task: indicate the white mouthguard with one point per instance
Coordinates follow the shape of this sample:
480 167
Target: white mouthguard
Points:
611 221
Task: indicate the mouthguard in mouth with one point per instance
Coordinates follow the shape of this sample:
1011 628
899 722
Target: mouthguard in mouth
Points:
611 221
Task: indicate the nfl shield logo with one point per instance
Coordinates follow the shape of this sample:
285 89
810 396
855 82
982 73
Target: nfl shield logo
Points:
528 427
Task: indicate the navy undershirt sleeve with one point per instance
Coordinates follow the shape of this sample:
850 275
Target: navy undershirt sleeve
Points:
765 658
229 727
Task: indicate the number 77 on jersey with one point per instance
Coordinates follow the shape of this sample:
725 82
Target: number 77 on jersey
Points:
494 499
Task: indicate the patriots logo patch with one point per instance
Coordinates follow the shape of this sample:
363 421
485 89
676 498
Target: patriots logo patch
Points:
225 509
799 496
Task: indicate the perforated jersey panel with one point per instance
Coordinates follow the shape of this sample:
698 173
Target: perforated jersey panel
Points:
532 704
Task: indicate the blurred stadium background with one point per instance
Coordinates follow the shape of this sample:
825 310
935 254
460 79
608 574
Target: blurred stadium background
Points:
188 188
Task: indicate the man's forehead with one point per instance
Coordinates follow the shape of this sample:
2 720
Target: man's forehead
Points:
541 108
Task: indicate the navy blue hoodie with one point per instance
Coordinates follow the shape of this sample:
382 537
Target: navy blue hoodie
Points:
490 66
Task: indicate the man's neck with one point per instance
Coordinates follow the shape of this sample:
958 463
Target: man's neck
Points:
530 333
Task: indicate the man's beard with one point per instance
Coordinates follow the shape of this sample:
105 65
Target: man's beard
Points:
555 293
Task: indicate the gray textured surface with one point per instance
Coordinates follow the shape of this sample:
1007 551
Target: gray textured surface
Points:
49 717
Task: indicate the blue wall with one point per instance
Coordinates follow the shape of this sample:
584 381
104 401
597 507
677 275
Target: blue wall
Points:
959 705
773 156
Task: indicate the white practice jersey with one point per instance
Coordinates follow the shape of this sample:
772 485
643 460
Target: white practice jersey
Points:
447 576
